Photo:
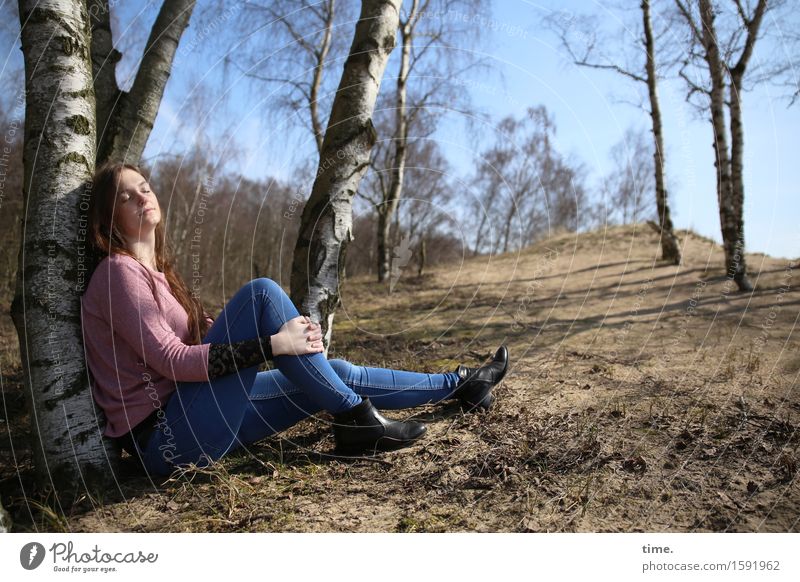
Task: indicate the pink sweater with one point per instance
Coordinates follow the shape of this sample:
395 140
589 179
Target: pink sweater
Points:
135 351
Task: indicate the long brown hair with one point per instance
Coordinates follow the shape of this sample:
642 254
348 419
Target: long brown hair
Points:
106 239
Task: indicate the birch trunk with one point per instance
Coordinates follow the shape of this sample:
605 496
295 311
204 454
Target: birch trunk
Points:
484 218
383 254
104 62
669 243
737 130
5 520
316 81
732 235
737 180
129 125
423 256
507 230
389 206
327 219
58 159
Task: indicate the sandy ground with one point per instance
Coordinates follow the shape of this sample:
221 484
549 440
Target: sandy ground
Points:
640 397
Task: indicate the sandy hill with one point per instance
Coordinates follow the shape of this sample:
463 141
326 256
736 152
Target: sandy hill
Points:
641 397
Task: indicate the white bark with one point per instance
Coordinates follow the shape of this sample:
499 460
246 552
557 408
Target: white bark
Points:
104 63
131 121
5 520
326 224
726 77
392 198
59 156
669 243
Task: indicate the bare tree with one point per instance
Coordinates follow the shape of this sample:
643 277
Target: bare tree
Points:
629 184
419 216
427 68
584 45
125 118
428 206
11 169
326 222
59 106
303 45
523 179
725 60
62 64
669 243
408 26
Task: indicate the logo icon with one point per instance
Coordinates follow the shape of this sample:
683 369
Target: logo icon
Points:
402 255
31 555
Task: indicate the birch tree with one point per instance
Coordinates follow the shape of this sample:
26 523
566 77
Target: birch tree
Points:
59 154
125 118
725 60
527 187
326 221
69 82
629 182
302 45
582 41
428 66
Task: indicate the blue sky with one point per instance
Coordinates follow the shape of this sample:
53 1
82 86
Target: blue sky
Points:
530 68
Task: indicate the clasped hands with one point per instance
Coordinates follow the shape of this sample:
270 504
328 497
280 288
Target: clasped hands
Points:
297 336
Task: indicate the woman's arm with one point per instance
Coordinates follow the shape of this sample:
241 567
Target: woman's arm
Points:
229 358
297 336
130 308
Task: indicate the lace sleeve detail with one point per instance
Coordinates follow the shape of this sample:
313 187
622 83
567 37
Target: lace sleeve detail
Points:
229 358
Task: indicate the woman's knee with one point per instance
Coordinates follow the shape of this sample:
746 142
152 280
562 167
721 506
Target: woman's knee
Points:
341 367
270 288
265 284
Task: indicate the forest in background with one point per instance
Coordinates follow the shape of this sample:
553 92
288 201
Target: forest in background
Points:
379 175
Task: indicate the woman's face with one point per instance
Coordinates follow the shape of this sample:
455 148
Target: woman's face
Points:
136 209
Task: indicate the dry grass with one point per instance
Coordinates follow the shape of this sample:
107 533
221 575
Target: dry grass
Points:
641 397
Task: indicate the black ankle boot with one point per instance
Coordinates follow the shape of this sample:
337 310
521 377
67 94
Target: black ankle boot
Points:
364 429
474 390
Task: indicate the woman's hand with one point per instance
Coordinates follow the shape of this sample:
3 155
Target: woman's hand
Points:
297 336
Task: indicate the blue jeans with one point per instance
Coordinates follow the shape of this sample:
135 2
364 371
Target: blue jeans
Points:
203 421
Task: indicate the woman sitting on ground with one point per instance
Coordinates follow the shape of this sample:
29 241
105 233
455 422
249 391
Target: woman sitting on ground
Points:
178 387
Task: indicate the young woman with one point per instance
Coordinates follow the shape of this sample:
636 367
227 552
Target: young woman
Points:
178 387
